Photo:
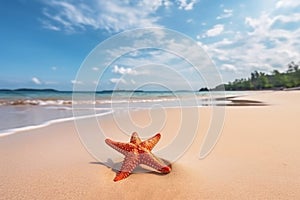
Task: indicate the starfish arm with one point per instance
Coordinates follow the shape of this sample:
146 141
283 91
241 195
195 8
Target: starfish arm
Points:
152 161
121 147
150 143
130 162
135 139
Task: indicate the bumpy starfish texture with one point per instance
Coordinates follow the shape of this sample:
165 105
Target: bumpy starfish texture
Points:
138 152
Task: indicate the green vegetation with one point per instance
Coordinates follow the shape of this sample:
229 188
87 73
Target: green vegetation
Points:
262 81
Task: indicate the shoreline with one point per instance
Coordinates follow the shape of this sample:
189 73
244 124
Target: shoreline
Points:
256 157
12 131
226 101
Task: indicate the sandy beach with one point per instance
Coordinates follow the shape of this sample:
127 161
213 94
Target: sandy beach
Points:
256 157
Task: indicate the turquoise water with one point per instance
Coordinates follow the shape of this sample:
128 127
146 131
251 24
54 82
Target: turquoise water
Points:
26 109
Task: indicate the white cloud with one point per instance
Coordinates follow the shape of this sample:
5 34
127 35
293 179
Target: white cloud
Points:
215 31
295 17
186 4
54 68
36 80
76 82
155 65
226 14
123 70
189 20
229 67
69 16
287 3
48 25
110 15
259 25
117 80
262 46
95 68
167 3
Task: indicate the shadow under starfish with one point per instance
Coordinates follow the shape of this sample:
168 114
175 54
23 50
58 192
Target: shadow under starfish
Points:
114 166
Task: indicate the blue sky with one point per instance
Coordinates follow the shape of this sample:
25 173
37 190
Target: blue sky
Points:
44 42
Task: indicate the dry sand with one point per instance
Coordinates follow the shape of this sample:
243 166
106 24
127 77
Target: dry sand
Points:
257 157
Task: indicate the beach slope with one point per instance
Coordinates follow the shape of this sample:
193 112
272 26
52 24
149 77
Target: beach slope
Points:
256 157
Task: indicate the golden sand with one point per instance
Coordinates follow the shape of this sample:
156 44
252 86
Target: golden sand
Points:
257 157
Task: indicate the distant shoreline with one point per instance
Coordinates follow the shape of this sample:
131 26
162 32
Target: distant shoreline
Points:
101 91
137 91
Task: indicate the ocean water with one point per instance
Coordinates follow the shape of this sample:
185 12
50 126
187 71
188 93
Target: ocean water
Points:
28 109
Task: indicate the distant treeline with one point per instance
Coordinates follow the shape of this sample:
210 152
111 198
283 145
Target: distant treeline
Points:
28 90
262 81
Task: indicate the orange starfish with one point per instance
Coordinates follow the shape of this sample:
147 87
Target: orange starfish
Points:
137 152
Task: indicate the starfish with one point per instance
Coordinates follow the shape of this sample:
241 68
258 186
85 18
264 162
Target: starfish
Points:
138 152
